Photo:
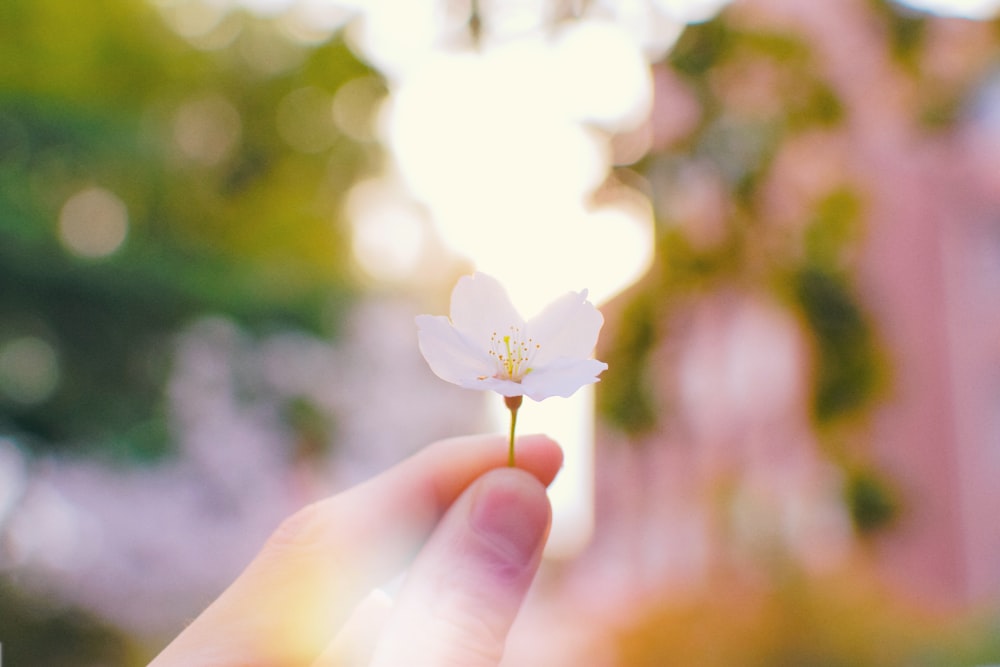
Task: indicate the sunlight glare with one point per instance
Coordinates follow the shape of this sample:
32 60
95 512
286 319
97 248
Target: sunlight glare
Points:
691 11
497 133
541 254
396 37
506 170
387 233
604 77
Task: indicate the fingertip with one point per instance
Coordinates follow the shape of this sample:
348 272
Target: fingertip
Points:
539 455
452 464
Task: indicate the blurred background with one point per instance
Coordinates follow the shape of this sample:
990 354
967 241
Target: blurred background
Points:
219 217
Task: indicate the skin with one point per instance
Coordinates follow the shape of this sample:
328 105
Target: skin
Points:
468 530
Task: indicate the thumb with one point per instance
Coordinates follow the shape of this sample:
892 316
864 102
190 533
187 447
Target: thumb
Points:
468 583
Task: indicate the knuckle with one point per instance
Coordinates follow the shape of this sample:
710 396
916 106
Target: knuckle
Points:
301 528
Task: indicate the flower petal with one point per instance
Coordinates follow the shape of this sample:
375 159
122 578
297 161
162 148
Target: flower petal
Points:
451 356
567 327
499 385
480 307
561 378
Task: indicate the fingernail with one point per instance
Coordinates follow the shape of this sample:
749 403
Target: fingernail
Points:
511 512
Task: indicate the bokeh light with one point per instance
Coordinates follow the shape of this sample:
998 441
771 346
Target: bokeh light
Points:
207 129
389 235
93 223
396 37
29 369
305 120
601 76
196 21
355 107
48 530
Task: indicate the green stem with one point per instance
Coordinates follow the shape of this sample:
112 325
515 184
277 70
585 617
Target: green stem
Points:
512 403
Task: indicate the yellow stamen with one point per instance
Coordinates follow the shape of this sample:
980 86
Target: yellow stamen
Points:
513 354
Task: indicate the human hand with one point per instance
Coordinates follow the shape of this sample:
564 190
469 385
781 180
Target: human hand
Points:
470 530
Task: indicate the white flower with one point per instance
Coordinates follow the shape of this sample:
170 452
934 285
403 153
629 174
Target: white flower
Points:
485 344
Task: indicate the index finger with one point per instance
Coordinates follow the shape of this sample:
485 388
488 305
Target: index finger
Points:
319 563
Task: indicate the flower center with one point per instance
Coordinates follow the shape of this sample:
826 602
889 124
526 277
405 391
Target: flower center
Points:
513 353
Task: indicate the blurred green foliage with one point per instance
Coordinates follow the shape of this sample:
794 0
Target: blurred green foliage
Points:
45 635
872 500
626 398
849 371
92 95
846 357
906 31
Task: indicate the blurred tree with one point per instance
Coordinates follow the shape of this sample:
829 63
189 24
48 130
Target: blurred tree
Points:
145 183
758 92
